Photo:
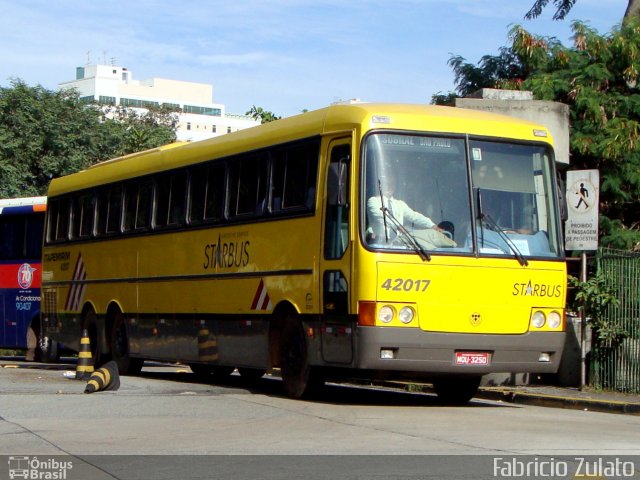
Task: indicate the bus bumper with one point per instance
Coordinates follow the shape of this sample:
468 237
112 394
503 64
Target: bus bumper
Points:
412 350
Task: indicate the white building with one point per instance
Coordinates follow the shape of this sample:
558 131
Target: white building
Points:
200 117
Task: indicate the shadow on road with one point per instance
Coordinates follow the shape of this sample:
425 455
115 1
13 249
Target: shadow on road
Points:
332 393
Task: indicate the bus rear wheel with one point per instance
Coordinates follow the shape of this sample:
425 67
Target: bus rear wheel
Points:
300 379
456 391
120 348
90 324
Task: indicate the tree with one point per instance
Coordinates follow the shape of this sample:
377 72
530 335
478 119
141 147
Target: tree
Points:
598 78
46 134
137 130
564 6
265 116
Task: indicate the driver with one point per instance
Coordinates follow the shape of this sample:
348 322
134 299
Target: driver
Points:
404 214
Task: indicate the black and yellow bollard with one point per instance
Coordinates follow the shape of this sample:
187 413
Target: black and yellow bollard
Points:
84 368
207 346
104 378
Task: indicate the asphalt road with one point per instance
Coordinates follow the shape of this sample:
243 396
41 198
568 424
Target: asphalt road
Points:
169 412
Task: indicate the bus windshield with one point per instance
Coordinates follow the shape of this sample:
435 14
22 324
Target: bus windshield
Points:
418 196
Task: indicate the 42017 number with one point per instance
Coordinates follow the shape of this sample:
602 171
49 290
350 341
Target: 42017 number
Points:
405 285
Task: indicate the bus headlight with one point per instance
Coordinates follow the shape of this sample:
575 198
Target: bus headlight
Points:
406 315
555 319
386 313
538 319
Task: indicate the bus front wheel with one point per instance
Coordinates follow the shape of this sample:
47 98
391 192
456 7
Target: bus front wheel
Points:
456 391
299 378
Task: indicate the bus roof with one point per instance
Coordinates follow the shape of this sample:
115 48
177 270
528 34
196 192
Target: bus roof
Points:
336 118
22 205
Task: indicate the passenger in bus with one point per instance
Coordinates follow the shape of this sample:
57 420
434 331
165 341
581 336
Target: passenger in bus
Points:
397 208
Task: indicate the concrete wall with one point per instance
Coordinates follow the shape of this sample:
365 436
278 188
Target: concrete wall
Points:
553 115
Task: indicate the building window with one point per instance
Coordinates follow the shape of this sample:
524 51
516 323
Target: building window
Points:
214 112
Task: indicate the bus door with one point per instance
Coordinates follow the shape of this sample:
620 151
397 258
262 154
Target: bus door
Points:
335 266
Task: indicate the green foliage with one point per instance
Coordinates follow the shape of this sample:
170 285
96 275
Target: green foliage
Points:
593 299
562 8
265 116
46 134
598 77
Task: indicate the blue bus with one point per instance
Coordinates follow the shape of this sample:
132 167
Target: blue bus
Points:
21 224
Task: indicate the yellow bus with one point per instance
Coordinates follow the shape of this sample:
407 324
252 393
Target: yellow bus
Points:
359 240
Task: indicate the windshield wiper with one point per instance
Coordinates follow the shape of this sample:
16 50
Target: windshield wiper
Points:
512 246
402 233
496 228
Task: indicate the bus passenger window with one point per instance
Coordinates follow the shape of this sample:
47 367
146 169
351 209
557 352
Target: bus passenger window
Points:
207 194
295 171
247 186
137 197
109 206
82 216
61 219
169 199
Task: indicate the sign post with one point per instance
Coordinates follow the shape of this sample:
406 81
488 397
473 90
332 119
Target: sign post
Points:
581 231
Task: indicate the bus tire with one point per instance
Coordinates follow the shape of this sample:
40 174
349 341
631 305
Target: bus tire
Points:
48 350
456 391
119 345
300 379
32 354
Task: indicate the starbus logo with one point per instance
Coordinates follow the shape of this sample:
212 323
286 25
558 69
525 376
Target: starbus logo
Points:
25 275
35 469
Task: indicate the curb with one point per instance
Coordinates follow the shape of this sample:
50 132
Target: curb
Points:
558 401
520 397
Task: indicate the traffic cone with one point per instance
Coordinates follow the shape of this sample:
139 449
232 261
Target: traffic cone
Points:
84 368
207 346
105 378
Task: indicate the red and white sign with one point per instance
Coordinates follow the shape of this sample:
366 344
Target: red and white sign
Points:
78 286
261 300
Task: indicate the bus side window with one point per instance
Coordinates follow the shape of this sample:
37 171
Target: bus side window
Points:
137 198
58 219
33 241
206 193
82 216
170 198
295 172
109 207
247 186
11 237
337 214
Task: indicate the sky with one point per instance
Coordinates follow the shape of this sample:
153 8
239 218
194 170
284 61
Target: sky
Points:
282 55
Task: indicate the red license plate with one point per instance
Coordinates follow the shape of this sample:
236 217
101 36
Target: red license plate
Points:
472 358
